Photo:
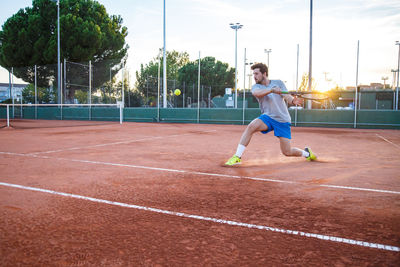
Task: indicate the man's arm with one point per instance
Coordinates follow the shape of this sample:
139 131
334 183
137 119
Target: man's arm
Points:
259 90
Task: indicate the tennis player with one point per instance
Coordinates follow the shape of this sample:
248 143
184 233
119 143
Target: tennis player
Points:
275 116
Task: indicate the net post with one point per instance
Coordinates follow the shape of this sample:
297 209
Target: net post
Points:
121 111
8 116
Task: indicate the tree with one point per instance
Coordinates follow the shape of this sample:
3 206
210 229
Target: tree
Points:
132 98
146 78
44 94
214 74
87 32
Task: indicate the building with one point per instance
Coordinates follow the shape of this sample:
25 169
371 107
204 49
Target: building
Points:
5 91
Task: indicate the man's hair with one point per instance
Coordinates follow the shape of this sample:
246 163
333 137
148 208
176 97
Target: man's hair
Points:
263 68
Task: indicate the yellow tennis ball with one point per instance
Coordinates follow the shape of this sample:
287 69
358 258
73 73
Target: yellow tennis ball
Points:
177 92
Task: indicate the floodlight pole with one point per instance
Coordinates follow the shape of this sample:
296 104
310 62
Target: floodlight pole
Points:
236 27
158 89
398 70
356 93
58 54
164 68
310 57
297 83
198 91
244 85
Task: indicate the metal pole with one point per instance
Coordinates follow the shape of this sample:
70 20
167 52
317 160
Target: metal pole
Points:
61 100
129 89
355 98
297 84
122 95
90 82
244 85
198 92
121 114
297 68
236 68
8 115
164 67
90 89
35 92
109 91
12 90
9 83
65 80
61 87
158 91
398 71
310 56
58 53
184 92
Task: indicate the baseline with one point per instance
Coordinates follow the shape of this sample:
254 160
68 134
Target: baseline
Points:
215 220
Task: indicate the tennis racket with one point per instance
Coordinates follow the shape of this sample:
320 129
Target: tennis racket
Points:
313 95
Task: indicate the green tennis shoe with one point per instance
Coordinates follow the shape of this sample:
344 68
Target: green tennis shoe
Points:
312 156
233 161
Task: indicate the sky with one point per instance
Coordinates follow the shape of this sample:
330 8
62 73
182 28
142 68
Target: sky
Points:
202 26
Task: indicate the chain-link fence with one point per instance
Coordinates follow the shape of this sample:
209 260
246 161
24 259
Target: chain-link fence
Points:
108 82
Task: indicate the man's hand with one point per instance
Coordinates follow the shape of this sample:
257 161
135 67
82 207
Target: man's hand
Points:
297 101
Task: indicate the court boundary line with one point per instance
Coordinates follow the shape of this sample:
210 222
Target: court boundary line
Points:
117 143
208 174
214 220
390 142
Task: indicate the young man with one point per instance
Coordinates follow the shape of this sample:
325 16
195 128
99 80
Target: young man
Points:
275 116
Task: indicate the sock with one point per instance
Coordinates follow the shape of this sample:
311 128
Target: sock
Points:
239 151
305 153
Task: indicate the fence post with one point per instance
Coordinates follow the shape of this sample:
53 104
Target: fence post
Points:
35 92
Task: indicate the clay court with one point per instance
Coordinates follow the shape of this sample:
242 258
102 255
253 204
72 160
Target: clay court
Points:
148 194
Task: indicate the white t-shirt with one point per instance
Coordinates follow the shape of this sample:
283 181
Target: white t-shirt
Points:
273 105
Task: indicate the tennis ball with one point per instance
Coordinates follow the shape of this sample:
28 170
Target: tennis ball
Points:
177 92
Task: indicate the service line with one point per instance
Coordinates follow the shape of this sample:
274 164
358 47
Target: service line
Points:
214 220
390 142
117 143
206 173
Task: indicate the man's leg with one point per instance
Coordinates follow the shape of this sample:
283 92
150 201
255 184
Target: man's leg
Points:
256 125
289 151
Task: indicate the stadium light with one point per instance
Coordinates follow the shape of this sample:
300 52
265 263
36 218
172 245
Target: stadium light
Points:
267 51
236 27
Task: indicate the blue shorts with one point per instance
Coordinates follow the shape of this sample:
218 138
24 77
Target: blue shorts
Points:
281 129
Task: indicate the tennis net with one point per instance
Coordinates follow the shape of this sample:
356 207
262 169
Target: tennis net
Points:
58 115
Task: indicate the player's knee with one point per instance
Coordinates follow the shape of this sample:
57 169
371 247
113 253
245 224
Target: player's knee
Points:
253 127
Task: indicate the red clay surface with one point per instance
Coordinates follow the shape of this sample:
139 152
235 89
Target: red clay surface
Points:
174 167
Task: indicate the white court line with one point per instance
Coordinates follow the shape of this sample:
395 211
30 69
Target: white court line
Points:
390 142
215 220
207 174
118 143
